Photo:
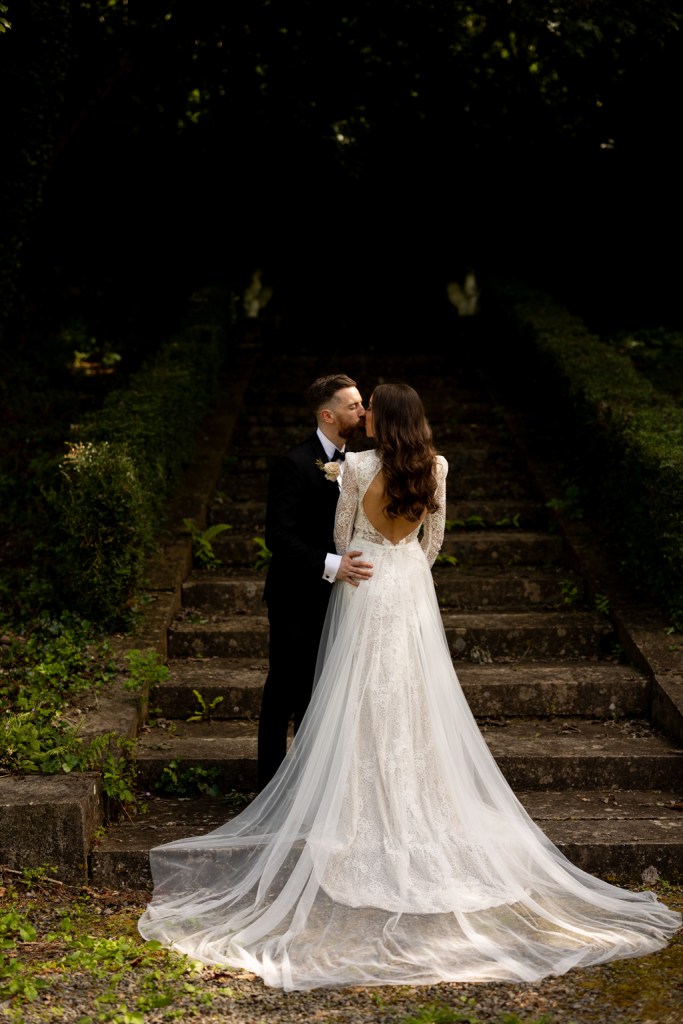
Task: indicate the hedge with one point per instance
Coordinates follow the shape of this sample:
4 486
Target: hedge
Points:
628 434
122 463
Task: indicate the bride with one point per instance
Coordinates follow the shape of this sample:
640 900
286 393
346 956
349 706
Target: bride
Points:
388 848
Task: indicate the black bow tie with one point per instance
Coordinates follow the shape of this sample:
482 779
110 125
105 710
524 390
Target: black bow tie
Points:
338 456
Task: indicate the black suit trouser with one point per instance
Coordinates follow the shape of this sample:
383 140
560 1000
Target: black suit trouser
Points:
292 652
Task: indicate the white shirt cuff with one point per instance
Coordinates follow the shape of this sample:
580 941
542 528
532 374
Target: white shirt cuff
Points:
332 563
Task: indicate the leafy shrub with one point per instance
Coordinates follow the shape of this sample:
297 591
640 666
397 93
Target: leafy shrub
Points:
104 515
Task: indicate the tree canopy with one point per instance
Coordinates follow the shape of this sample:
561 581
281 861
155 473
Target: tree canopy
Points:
489 119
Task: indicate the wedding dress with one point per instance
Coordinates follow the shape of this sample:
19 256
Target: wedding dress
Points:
389 849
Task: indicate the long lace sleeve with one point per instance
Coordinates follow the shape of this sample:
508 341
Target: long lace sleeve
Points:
431 538
346 506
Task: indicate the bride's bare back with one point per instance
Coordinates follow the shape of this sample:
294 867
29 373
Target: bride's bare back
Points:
375 501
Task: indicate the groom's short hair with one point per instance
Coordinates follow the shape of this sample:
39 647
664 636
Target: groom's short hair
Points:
321 390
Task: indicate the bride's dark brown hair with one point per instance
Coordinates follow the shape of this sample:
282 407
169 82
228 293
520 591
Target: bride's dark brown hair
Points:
404 442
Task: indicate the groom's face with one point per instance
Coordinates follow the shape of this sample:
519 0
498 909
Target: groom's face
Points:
348 412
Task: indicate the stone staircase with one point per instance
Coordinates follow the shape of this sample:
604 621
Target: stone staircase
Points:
566 717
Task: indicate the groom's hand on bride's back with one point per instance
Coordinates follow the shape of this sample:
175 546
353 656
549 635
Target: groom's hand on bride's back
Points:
352 570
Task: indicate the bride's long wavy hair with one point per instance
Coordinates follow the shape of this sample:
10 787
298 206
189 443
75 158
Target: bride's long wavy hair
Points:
404 442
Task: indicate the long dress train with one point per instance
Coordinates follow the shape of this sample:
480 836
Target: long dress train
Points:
389 849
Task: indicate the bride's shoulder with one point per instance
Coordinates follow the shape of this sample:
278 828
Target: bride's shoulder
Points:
365 458
441 464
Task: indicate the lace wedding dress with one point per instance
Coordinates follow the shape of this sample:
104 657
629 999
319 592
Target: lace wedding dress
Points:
389 849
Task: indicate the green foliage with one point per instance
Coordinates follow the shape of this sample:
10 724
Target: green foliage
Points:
440 1013
202 542
657 354
162 977
81 525
569 590
104 516
36 878
146 670
571 504
43 678
235 799
446 560
478 522
15 926
119 772
513 521
178 779
626 440
206 710
263 555
472 522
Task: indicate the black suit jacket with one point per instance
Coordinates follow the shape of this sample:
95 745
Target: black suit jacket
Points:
300 514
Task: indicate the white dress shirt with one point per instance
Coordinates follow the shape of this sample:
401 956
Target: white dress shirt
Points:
332 560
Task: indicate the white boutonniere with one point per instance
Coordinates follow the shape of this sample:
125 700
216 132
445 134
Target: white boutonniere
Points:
330 469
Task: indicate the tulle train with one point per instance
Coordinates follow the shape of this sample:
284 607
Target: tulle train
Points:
389 849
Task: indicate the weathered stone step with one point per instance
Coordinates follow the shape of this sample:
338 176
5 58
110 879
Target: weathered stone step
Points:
483 459
512 514
469 547
506 513
194 635
447 408
468 485
617 833
585 689
244 486
488 587
240 592
473 485
238 681
455 407
479 637
607 832
502 547
275 438
241 515
532 754
530 636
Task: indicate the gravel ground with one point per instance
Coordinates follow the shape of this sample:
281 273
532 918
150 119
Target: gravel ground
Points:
95 968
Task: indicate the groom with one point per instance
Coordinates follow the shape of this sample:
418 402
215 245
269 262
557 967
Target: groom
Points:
302 500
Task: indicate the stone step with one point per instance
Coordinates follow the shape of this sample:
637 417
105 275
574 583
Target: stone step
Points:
479 637
240 592
481 514
605 831
473 485
468 485
529 636
469 547
485 459
509 514
502 547
585 689
462 457
496 587
532 753
275 438
457 407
